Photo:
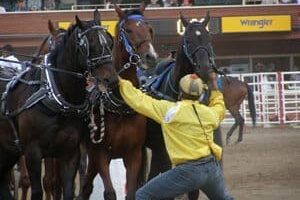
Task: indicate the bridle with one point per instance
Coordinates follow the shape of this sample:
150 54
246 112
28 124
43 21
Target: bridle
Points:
134 58
190 53
52 40
83 46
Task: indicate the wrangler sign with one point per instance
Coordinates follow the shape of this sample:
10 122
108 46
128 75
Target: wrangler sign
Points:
268 23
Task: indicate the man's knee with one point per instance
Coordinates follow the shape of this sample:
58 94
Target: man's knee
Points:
139 195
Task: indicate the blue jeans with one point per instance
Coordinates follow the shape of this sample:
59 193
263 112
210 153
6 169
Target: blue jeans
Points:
204 174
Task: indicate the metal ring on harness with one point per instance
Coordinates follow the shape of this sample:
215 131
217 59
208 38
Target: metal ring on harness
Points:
134 59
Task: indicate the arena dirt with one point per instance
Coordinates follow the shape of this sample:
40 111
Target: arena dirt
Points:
265 166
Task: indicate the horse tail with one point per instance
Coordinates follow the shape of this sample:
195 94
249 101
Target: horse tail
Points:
251 104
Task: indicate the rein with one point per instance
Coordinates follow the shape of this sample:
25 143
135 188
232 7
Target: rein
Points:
45 66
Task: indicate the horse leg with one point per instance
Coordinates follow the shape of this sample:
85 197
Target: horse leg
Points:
133 163
4 187
24 180
160 162
92 171
56 179
68 169
82 168
47 180
234 111
103 166
33 162
219 141
231 130
241 122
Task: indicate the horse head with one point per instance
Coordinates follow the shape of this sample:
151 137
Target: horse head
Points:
97 49
196 47
84 53
136 36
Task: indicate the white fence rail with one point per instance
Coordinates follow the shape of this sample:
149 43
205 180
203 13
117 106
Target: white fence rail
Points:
277 98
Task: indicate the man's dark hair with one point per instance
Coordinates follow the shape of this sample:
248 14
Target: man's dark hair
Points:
7 49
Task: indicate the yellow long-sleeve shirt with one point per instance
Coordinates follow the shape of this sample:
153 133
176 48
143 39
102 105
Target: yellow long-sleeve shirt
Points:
184 137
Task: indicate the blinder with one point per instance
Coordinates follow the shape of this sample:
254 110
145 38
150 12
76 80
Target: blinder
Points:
53 41
83 46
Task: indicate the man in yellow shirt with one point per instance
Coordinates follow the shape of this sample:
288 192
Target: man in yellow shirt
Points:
187 128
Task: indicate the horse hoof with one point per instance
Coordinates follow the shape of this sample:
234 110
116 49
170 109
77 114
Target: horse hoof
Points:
110 195
227 141
79 198
238 141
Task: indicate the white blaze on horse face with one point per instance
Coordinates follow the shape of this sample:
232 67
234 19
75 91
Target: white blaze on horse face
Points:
198 33
152 51
138 23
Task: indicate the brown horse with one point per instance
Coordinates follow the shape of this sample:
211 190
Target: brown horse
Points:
235 92
52 126
123 130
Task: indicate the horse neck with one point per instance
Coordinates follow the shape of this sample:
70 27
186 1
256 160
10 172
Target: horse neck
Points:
182 68
72 88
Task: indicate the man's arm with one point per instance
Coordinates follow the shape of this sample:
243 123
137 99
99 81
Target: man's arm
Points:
216 104
142 103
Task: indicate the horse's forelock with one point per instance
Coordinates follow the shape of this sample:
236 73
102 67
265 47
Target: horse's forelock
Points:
132 12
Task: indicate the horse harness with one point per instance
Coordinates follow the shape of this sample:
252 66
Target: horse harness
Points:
48 93
111 102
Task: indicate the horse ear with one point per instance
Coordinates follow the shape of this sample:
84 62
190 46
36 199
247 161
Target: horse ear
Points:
142 7
78 22
97 17
119 11
207 18
184 21
51 27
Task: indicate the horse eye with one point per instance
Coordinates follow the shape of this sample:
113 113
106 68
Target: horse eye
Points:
128 31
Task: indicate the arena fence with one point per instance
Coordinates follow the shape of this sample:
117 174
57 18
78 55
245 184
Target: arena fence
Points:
277 98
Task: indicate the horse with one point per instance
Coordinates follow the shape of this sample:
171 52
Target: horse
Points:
48 44
123 130
195 55
48 117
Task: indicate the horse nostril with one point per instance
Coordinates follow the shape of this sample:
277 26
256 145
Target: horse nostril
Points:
148 57
106 81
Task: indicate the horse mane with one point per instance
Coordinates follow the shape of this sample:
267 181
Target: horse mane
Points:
61 46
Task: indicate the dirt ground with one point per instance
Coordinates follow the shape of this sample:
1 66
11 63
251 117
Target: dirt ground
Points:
265 166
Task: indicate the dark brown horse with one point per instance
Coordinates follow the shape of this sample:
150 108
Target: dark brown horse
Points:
49 113
48 44
195 55
123 130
